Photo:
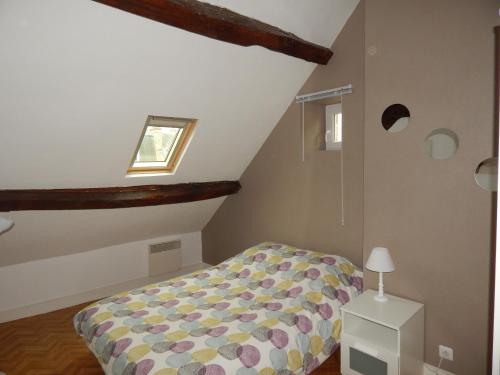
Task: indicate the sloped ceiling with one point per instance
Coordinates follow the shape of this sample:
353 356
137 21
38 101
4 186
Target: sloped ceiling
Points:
77 81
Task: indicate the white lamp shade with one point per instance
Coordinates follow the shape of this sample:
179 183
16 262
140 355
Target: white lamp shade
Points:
5 224
380 260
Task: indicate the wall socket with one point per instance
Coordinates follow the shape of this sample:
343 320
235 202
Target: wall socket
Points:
445 352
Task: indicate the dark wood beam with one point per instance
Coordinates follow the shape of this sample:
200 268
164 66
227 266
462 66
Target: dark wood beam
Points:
113 197
223 24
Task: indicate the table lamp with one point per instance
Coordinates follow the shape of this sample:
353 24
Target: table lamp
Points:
380 261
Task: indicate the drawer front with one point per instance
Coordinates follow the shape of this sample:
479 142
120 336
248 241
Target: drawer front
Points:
362 358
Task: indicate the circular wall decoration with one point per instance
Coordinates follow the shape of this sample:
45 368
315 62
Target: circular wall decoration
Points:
441 144
395 118
486 174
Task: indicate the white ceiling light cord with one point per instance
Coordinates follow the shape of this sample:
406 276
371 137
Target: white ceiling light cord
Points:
340 91
302 132
342 221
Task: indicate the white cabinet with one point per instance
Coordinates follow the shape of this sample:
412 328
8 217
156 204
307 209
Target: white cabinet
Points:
382 338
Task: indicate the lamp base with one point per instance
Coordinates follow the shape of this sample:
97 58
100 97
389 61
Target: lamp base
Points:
381 298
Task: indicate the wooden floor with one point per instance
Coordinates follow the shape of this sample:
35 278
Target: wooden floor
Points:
48 345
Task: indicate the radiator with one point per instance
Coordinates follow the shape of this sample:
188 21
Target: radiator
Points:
165 257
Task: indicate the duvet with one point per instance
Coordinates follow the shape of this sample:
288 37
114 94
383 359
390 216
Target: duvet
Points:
272 309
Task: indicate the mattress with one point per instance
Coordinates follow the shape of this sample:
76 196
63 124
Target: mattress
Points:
272 309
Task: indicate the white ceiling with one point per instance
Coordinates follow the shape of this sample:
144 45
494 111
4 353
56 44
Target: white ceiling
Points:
78 79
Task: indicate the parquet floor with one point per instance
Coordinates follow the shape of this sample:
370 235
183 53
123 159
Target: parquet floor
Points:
48 345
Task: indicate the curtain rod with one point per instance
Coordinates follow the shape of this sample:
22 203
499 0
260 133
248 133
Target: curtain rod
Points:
324 94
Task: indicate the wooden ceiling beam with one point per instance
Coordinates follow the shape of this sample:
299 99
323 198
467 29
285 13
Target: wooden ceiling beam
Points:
113 197
223 24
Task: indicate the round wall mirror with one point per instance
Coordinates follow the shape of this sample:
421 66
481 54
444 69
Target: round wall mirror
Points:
395 118
486 174
441 144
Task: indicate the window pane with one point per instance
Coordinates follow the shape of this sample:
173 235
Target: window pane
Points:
161 146
157 144
338 127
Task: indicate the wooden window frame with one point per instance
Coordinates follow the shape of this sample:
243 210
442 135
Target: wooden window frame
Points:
177 152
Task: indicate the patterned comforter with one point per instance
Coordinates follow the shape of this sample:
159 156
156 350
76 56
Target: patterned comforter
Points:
273 309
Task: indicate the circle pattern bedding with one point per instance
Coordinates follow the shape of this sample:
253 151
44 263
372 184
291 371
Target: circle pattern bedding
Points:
272 309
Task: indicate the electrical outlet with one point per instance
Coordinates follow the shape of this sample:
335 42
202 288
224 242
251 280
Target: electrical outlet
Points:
445 352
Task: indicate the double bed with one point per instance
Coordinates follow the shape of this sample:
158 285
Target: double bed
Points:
272 309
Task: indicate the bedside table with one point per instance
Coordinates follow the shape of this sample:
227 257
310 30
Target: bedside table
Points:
382 338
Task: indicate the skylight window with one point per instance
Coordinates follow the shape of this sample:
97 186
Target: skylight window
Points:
162 144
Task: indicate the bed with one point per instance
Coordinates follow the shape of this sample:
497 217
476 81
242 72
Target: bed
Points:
272 309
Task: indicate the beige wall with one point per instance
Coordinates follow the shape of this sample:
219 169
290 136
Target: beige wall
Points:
436 57
287 200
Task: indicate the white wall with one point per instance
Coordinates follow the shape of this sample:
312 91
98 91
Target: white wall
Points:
47 279
78 80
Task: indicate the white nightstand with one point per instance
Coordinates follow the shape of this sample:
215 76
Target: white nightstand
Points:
382 338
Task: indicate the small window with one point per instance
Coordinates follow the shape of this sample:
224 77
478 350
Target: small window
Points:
333 133
162 144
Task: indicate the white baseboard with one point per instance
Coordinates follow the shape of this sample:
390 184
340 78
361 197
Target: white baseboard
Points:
433 370
91 295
